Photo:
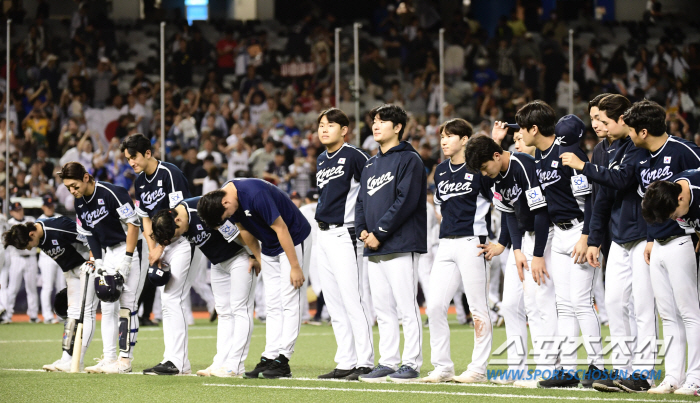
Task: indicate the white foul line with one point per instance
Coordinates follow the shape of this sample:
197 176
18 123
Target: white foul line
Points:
428 392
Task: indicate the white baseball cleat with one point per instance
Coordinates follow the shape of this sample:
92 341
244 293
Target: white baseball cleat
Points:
64 366
502 380
97 368
689 388
438 377
664 388
223 372
205 372
51 367
470 376
117 367
528 384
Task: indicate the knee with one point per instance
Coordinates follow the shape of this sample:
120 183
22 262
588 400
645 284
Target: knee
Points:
436 308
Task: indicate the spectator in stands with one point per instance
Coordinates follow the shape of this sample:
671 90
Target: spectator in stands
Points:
226 53
182 65
103 82
277 173
261 158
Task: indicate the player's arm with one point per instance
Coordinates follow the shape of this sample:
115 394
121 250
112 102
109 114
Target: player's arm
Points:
127 215
408 191
287 244
600 217
253 245
616 178
155 251
360 224
492 249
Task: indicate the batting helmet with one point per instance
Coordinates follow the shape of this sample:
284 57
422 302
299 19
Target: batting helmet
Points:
159 276
60 303
109 287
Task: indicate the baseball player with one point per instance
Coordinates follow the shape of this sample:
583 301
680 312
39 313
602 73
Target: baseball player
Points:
568 198
262 212
627 272
21 264
525 218
48 267
338 171
391 218
658 156
59 239
161 185
232 280
106 216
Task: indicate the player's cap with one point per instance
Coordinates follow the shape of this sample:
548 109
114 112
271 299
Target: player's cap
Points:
513 126
569 130
312 195
49 200
295 195
159 276
60 303
16 206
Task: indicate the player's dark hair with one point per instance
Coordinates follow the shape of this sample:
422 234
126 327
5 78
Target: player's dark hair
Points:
164 226
210 209
614 106
646 115
18 235
457 127
480 150
74 170
595 101
136 143
660 201
537 113
334 115
391 113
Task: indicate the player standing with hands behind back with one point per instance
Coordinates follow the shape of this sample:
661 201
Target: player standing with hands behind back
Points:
391 217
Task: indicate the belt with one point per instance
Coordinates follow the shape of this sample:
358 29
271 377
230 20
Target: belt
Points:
669 239
324 226
567 225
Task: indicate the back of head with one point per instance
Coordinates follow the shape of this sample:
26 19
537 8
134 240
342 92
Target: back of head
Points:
660 201
537 113
646 115
210 209
163 223
391 113
614 106
18 235
480 150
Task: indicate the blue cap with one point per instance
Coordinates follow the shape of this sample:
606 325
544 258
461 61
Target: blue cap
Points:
49 200
513 126
569 130
16 206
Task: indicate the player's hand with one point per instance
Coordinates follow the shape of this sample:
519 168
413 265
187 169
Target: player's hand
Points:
87 267
125 266
296 277
490 250
539 270
253 264
592 256
363 235
499 131
647 252
520 263
580 249
371 242
155 254
571 160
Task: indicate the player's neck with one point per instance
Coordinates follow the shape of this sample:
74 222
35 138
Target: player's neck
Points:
389 144
39 231
331 148
182 215
458 158
654 142
685 189
151 166
543 143
505 161
90 189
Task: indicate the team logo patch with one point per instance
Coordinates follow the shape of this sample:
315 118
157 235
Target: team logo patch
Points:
199 227
468 177
667 160
534 196
497 196
54 241
555 164
228 230
579 183
160 183
175 198
101 202
159 273
341 160
125 211
247 213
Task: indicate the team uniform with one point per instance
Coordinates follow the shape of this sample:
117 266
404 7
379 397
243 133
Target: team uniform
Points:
103 218
66 248
464 200
341 269
673 265
233 286
310 259
162 190
525 222
627 273
50 277
22 264
391 205
568 196
259 205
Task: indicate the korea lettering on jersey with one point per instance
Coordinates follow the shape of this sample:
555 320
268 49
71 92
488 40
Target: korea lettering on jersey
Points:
328 174
374 184
448 188
90 218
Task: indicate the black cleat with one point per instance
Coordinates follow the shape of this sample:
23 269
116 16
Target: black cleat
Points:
213 316
164 368
355 376
560 379
608 383
593 375
278 369
262 365
337 374
637 384
146 322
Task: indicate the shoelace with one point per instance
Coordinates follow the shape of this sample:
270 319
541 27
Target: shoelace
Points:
378 368
404 369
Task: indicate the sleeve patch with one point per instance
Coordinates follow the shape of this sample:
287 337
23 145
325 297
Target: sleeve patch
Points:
580 185
535 197
229 230
126 212
175 198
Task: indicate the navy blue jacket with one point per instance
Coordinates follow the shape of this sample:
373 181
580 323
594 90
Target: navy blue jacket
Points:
643 167
259 205
164 189
60 240
338 180
211 242
618 210
391 203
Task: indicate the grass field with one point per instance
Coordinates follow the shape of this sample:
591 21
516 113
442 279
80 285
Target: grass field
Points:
25 347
